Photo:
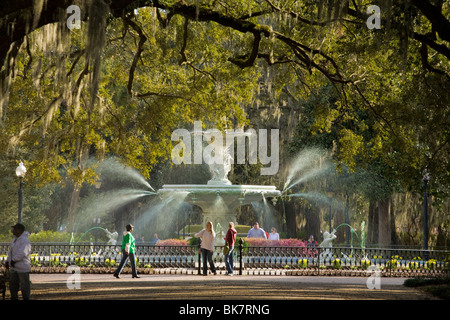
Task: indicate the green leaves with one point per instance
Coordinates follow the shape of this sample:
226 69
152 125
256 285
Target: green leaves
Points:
380 103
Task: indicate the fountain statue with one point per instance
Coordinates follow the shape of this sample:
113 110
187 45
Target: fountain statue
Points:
112 237
327 243
219 198
219 171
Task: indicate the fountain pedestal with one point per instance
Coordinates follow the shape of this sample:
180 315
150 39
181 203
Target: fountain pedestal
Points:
219 201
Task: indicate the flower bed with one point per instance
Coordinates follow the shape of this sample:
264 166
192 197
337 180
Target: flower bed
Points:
173 247
172 242
275 243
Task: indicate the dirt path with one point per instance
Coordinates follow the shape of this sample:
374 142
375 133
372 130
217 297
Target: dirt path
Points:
194 287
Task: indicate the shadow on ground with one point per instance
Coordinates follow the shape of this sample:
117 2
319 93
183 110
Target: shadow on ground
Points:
220 288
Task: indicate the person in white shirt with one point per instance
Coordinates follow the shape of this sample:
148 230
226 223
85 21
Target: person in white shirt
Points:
207 247
19 263
273 235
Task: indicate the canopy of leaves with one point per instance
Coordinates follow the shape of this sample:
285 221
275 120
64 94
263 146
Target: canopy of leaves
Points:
137 70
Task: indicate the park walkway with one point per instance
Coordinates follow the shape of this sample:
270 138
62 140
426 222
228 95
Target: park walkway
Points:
219 287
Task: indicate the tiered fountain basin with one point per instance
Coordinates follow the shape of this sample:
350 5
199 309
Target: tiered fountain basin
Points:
219 201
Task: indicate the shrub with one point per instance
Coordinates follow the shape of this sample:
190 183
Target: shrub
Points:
54 260
81 262
194 241
365 264
392 264
34 260
420 281
50 236
303 263
438 286
6 237
193 228
110 262
242 228
337 263
431 264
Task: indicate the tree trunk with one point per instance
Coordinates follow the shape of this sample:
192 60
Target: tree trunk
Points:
74 200
338 219
384 222
372 225
312 223
394 239
291 221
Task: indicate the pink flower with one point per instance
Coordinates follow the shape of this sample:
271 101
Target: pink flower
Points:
275 243
172 242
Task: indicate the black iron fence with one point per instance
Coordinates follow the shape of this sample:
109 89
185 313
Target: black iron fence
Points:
58 256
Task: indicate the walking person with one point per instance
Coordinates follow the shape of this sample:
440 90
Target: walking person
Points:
230 239
207 247
19 263
128 251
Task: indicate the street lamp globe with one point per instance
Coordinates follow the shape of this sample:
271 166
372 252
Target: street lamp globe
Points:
21 170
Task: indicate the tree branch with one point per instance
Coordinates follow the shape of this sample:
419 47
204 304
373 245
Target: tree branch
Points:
137 55
432 44
183 58
433 13
244 63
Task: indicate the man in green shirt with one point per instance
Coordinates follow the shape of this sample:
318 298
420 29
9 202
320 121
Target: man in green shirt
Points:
128 251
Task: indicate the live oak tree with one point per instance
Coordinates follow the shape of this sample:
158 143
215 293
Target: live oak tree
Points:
136 70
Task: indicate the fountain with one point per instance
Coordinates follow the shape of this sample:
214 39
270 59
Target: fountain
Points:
112 236
220 241
353 232
327 243
219 198
219 202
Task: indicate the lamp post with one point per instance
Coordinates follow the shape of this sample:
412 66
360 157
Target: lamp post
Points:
347 219
96 222
425 179
20 172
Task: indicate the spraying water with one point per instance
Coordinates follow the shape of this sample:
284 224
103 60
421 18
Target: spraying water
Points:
352 232
100 203
310 163
113 168
162 210
320 198
219 205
